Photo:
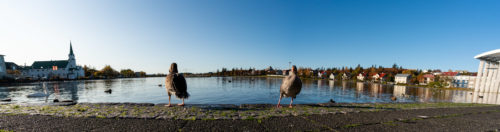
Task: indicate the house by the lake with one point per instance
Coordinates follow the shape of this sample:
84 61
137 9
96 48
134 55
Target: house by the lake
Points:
402 78
361 76
53 69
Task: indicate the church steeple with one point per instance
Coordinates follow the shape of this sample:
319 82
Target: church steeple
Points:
71 49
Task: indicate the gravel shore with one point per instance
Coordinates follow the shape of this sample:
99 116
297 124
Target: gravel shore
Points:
382 117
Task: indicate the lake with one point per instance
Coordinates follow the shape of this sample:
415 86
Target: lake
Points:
233 90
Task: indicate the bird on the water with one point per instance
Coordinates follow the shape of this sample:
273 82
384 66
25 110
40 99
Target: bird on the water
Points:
176 84
290 87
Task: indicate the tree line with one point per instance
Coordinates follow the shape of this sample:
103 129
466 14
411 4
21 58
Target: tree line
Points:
109 72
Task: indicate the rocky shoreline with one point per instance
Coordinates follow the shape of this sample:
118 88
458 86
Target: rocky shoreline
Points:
207 112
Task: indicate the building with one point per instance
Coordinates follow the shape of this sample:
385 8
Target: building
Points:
3 70
279 72
346 76
488 78
332 76
361 76
428 78
285 72
375 77
463 81
402 78
62 69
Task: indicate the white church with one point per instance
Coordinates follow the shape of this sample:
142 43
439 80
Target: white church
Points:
53 69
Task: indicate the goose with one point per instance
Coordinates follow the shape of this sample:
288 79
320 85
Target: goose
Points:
176 84
290 87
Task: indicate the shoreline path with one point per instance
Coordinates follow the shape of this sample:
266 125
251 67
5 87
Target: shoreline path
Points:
342 117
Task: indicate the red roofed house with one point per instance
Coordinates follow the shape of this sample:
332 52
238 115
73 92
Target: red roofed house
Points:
428 78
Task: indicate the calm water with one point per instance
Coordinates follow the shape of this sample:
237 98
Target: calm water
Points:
241 90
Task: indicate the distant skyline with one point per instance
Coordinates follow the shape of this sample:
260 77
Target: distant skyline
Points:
203 36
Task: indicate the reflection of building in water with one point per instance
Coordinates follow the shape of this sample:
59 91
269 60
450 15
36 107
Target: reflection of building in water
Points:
319 83
344 85
461 97
488 78
68 90
424 94
376 89
399 91
485 98
360 86
331 84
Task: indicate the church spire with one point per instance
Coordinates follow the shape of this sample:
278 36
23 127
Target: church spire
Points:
70 48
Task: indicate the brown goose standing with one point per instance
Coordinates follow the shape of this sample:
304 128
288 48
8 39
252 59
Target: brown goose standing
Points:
176 84
291 86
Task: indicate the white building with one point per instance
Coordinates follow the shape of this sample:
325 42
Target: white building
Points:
402 78
345 76
64 69
332 76
375 77
3 71
488 77
462 81
361 77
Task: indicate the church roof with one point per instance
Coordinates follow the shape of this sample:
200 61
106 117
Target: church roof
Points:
10 65
70 48
49 64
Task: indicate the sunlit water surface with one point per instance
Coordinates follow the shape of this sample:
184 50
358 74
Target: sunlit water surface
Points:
233 90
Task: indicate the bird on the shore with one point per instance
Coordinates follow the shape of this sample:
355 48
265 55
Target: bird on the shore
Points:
393 98
332 101
7 100
176 84
290 87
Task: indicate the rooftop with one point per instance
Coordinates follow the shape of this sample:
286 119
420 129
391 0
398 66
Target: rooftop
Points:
402 75
493 55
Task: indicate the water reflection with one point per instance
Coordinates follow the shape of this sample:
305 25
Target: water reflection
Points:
234 90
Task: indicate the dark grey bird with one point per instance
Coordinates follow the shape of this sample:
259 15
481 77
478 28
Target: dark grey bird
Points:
176 84
290 87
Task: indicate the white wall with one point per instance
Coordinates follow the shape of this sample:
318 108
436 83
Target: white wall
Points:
3 70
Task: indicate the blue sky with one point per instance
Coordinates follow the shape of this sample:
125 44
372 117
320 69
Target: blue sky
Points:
205 35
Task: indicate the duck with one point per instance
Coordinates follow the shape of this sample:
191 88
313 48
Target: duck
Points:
160 85
109 91
332 101
175 84
393 98
290 87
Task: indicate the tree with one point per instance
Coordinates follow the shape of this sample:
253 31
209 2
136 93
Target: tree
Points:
109 72
127 73
142 74
89 71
